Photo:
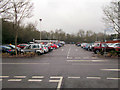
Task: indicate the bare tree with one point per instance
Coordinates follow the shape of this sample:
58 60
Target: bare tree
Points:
4 5
111 18
20 9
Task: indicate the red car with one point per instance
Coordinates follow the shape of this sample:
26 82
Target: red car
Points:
117 47
22 45
102 47
54 46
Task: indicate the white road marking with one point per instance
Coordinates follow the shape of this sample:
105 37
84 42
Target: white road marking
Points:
59 81
0 79
73 77
86 57
68 52
86 60
37 76
94 58
113 78
93 77
27 63
77 57
4 76
99 60
110 69
15 80
19 76
91 64
69 57
34 80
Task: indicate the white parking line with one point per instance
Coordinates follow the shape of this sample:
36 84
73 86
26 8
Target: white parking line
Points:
86 60
94 58
92 64
86 57
73 77
37 76
68 52
15 80
0 79
113 78
69 57
34 80
4 76
110 69
76 49
93 77
62 49
59 81
19 76
27 63
77 57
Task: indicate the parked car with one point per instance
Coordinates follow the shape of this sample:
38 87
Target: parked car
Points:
54 46
19 50
6 49
45 48
87 46
49 47
36 48
117 47
22 45
83 45
91 47
101 48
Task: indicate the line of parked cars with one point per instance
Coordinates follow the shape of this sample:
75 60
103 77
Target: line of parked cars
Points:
34 47
100 47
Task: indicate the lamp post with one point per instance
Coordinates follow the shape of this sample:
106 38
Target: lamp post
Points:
40 28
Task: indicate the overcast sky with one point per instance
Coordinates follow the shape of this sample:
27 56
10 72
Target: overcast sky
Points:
69 15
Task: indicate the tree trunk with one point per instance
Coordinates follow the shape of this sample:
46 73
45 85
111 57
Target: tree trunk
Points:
118 35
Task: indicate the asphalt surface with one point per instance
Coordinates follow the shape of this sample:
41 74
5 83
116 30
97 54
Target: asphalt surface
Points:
67 67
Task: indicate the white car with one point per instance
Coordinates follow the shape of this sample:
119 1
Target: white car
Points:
114 45
45 48
37 48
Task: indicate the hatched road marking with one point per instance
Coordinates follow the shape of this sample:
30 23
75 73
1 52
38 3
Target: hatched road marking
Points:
59 81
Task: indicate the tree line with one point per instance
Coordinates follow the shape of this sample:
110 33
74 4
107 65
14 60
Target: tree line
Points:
29 32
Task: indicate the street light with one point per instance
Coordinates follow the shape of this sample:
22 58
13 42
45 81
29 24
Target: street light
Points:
40 28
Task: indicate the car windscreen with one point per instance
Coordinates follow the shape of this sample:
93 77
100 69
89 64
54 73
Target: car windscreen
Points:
6 47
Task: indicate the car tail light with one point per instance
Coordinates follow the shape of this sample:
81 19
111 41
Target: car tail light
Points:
10 50
44 47
40 48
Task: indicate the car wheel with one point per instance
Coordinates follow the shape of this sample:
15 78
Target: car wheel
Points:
97 51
